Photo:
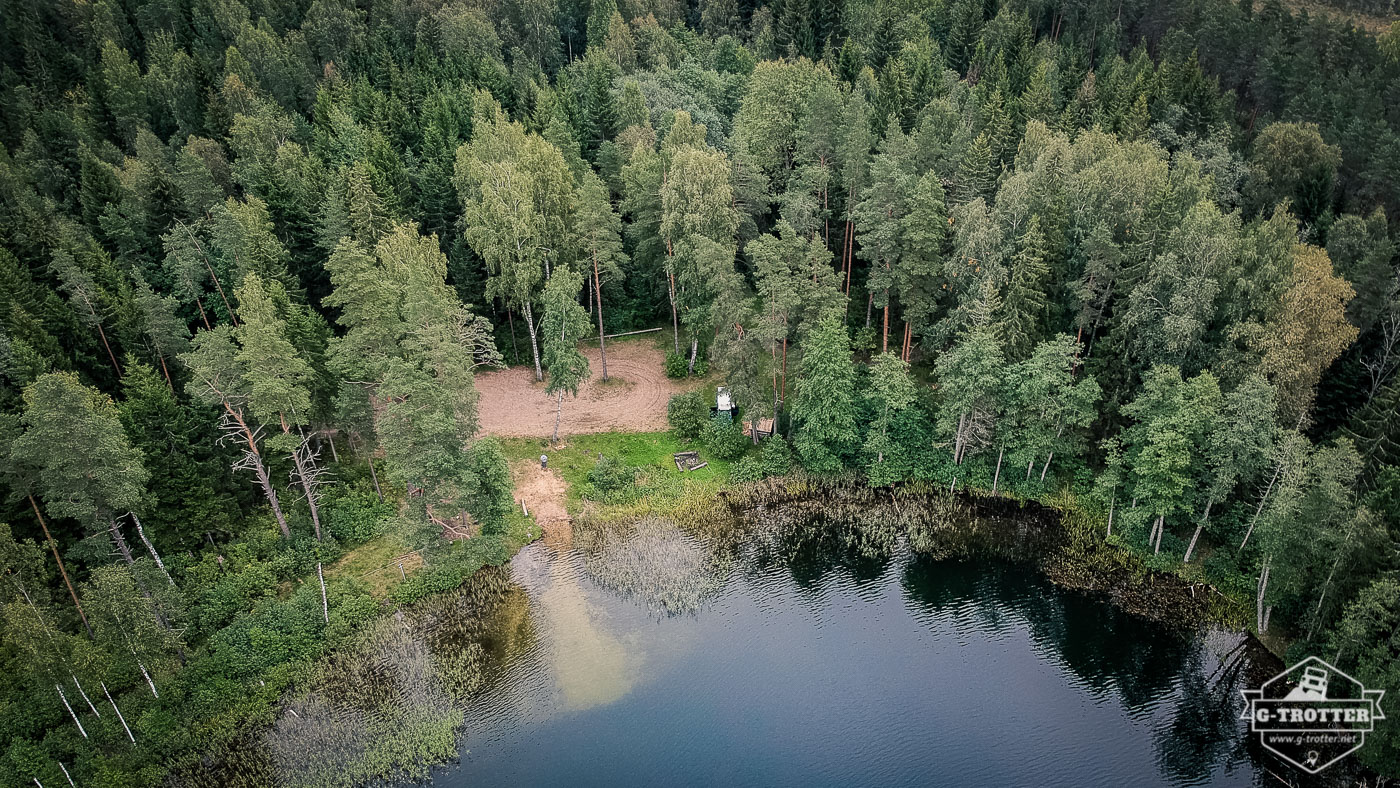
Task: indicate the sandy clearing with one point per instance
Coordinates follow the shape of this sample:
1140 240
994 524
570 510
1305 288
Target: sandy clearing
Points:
633 400
544 494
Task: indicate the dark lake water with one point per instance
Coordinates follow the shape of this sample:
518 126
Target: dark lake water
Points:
822 671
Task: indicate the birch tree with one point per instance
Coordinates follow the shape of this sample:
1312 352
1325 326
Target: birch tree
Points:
518 198
1238 446
564 323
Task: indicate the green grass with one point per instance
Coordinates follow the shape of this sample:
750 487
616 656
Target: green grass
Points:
375 563
650 452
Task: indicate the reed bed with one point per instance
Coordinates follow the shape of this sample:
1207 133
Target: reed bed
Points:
654 561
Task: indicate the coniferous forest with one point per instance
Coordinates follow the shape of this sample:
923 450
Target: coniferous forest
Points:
252 253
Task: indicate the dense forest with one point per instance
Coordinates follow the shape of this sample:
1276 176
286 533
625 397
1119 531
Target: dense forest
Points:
251 253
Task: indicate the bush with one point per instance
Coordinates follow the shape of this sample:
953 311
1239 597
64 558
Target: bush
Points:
678 365
493 500
748 469
610 480
724 439
675 365
776 457
687 414
354 514
864 339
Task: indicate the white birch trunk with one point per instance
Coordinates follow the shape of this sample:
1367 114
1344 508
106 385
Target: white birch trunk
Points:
534 341
150 548
110 700
71 713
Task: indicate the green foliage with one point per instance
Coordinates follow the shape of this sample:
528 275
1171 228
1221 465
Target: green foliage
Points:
354 514
688 414
723 439
610 481
776 457
675 365
1227 277
823 409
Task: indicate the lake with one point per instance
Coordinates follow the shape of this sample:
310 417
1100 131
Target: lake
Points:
823 666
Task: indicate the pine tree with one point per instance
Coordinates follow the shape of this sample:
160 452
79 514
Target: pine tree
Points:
84 465
600 235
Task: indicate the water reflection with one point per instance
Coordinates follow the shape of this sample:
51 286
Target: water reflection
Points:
588 664
830 657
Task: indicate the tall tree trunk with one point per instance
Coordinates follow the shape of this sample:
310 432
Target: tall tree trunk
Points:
869 303
1051 455
675 318
374 477
997 477
120 541
694 348
1161 527
166 370
147 676
71 713
260 469
84 694
1260 622
305 475
1113 500
602 346
885 332
514 347
62 570
110 354
534 341
150 548
558 412
126 727
1260 508
784 388
253 459
202 316
1191 548
210 268
325 606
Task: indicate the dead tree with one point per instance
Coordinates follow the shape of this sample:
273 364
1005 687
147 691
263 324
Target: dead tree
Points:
310 475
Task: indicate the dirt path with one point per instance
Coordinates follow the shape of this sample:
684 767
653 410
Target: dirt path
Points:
543 493
633 400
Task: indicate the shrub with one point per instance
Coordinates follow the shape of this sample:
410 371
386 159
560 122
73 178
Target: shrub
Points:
724 439
610 480
493 500
678 365
687 414
675 365
864 339
354 514
748 469
776 457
